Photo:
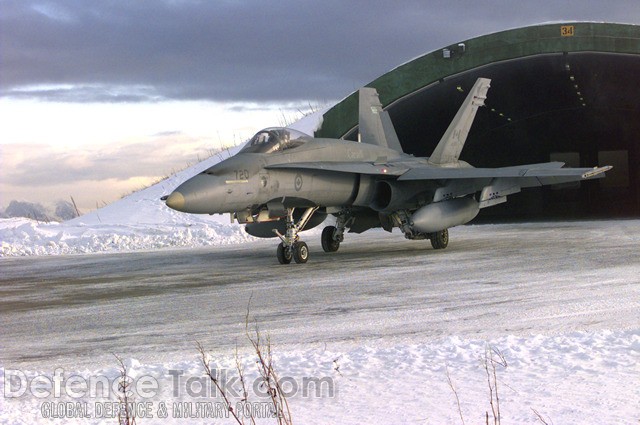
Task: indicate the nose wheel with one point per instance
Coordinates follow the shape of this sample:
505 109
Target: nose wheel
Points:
284 254
300 252
291 247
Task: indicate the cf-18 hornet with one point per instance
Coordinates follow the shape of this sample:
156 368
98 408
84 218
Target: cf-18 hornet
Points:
283 182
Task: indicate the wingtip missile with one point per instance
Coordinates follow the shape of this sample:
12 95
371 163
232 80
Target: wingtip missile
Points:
596 172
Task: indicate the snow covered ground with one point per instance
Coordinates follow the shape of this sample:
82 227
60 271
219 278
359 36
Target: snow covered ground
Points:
377 326
577 378
379 323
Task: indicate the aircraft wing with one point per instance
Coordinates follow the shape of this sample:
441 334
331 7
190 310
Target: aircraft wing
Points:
544 171
372 168
494 184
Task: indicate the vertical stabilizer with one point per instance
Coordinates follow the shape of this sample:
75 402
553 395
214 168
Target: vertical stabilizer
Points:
452 142
375 125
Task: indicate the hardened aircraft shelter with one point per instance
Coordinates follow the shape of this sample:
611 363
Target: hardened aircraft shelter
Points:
560 92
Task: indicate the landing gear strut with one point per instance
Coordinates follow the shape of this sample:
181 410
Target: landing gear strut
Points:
291 246
333 235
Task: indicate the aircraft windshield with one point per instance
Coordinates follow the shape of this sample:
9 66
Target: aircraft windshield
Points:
275 139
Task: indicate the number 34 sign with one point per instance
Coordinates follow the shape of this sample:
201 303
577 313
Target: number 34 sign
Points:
567 30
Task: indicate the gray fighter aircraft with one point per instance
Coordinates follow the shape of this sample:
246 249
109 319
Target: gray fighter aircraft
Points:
283 182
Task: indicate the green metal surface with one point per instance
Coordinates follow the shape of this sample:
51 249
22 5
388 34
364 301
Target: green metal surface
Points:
484 50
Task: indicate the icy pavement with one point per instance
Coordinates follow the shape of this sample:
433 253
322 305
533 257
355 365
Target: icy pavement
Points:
561 301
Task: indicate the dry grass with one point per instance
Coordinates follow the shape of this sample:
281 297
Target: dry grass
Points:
126 416
269 378
492 361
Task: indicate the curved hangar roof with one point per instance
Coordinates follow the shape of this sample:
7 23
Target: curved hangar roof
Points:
566 91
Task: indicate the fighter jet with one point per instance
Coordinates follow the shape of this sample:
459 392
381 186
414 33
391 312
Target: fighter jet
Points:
283 182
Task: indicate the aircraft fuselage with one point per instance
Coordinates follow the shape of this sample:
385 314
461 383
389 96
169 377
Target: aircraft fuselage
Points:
246 181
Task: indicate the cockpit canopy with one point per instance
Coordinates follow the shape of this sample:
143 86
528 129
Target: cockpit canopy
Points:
275 139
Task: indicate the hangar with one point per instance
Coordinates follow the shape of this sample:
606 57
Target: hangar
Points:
560 92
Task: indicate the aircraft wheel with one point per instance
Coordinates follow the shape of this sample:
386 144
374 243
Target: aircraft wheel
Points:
284 255
328 243
440 240
300 252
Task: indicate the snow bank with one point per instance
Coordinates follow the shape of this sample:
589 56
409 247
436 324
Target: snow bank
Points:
568 379
22 237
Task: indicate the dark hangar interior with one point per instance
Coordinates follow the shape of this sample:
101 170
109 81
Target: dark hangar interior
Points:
559 92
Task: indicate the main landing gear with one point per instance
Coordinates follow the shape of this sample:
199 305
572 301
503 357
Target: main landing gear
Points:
291 247
439 239
333 235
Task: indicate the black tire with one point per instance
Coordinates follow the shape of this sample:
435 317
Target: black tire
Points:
328 243
440 240
284 255
300 252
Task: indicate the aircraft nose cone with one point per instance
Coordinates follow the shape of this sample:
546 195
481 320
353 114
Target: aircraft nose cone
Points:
175 201
201 194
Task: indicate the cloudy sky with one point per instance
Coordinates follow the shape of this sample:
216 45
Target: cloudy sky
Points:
98 98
